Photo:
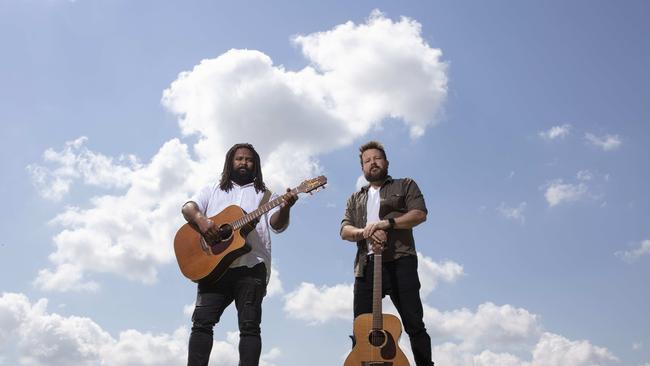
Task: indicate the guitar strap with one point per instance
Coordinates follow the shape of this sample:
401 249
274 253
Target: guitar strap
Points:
265 198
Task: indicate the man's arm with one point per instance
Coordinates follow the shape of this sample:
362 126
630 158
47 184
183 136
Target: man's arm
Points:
199 222
351 233
409 220
280 220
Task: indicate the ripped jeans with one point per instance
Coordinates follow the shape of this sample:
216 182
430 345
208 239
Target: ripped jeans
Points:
247 287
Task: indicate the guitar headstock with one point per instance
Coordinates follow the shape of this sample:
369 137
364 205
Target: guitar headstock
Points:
312 184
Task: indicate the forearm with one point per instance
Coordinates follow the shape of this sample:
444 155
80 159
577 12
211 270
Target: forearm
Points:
280 220
192 214
351 233
409 220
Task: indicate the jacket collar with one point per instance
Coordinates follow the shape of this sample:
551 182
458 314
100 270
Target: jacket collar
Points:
387 180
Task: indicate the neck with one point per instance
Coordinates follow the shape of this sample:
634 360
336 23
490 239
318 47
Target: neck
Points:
241 182
377 184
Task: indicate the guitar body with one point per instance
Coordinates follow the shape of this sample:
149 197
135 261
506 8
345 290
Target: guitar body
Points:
201 262
385 351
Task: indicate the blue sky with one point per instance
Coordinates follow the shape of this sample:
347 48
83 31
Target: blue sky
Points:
524 123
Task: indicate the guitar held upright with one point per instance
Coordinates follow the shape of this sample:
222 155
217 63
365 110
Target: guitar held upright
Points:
377 334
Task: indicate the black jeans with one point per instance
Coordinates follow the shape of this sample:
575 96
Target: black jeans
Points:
247 287
401 282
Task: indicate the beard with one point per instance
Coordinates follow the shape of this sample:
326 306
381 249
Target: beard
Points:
376 175
242 176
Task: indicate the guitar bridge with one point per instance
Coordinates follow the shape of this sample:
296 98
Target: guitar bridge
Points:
376 363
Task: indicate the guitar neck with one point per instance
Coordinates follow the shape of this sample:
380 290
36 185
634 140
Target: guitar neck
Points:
254 215
376 294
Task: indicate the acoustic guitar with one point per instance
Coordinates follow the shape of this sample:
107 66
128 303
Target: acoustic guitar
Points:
203 261
376 334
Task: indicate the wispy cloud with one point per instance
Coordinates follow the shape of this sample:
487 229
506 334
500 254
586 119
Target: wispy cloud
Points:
77 162
607 142
513 213
558 192
556 132
585 175
634 254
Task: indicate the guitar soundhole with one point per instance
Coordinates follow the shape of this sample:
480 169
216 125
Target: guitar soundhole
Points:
226 231
377 338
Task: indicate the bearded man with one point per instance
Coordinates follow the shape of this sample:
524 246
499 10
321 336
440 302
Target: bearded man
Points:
380 218
245 280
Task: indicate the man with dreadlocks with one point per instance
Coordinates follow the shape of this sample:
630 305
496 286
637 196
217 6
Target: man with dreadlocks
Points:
245 281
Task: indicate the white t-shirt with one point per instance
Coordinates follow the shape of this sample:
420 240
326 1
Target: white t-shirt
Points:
212 200
372 209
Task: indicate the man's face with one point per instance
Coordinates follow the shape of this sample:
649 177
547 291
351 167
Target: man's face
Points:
243 166
374 165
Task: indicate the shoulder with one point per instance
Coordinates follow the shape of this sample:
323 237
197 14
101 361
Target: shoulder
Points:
355 197
405 181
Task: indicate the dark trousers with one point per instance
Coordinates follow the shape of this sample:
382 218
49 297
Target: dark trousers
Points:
401 282
247 287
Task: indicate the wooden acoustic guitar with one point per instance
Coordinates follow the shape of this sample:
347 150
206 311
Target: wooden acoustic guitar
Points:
376 334
203 261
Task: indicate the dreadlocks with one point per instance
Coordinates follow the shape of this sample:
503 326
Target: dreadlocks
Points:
226 183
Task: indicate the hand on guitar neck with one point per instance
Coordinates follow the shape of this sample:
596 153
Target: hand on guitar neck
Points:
378 240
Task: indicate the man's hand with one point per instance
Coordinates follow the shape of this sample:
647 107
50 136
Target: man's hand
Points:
209 230
370 229
280 219
377 247
289 198
379 236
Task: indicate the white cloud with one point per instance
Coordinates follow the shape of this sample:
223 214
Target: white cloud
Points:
502 335
495 327
319 305
41 338
127 235
274 286
556 132
75 161
514 213
431 273
555 350
607 142
355 80
634 254
558 192
505 335
363 76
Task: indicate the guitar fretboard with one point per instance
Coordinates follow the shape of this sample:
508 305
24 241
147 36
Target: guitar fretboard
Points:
253 215
376 294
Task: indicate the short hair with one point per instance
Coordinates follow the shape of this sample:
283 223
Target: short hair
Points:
371 145
226 184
